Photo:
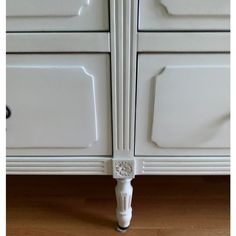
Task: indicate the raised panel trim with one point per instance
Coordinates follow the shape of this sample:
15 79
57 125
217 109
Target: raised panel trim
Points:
197 7
148 67
35 8
211 119
184 15
57 15
77 73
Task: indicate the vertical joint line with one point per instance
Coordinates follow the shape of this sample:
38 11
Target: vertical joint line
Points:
116 46
124 69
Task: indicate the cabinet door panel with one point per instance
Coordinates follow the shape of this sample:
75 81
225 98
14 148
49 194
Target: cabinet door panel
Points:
57 15
57 102
184 14
183 104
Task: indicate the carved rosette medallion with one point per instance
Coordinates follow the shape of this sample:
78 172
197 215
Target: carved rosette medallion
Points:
123 169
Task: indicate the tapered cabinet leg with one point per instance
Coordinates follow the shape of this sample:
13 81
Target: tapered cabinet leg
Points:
124 192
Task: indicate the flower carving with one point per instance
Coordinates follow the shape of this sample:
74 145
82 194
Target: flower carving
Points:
123 168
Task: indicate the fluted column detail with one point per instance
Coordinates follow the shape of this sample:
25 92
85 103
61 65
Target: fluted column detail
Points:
124 192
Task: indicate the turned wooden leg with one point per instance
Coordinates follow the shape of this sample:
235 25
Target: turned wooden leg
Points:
124 192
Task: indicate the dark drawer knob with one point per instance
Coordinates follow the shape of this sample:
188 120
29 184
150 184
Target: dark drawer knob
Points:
8 112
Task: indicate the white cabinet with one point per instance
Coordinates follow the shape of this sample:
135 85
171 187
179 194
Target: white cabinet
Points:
157 15
57 15
118 87
183 104
60 104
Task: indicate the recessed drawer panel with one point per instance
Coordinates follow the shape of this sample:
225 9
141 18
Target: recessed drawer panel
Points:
183 104
184 14
57 15
58 102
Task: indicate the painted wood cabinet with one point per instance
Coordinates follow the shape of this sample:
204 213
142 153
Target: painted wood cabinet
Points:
57 15
188 15
183 104
118 87
60 104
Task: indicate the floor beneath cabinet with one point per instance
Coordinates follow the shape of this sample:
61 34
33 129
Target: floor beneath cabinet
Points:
79 205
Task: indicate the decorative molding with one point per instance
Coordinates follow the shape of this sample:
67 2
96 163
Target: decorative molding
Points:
81 86
197 8
123 168
165 165
57 15
172 100
184 15
59 165
46 8
183 165
123 55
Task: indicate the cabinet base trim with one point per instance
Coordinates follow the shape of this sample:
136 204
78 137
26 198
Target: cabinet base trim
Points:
219 165
59 166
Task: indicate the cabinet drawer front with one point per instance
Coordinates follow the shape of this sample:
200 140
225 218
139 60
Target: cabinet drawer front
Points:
183 104
59 101
57 15
184 14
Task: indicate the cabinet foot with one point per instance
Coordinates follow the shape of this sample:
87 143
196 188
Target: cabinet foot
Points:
121 229
124 193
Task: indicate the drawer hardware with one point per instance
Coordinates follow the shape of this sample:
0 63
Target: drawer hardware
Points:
8 112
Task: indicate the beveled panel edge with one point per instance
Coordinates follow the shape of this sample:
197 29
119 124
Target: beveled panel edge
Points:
174 72
57 42
196 8
77 73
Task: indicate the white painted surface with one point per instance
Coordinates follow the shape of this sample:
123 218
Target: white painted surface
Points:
184 15
56 165
187 165
58 42
58 102
42 8
184 42
191 108
42 90
52 107
124 192
123 58
197 7
163 165
57 15
183 104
